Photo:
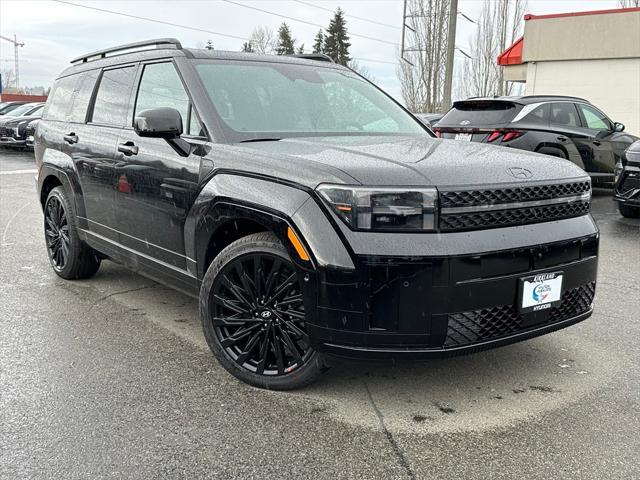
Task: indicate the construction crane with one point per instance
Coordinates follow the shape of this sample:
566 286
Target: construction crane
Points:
16 44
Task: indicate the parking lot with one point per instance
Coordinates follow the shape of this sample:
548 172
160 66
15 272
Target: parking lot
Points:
111 377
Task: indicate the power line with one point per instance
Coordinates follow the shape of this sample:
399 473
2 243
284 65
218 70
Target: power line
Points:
293 19
348 15
162 22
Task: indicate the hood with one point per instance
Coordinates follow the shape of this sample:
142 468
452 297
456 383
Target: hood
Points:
417 160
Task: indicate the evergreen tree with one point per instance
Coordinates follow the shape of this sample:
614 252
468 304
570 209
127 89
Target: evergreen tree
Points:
209 45
300 49
336 42
247 47
318 45
286 44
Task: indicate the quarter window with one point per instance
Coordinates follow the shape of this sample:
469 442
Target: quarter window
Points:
595 119
564 113
161 87
58 105
82 97
539 115
112 99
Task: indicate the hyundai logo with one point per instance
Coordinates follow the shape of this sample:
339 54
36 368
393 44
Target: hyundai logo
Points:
519 173
266 314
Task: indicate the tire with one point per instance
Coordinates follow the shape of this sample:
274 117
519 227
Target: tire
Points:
70 258
255 338
628 211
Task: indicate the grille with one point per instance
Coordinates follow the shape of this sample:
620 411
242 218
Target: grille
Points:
629 182
470 198
514 216
4 132
467 328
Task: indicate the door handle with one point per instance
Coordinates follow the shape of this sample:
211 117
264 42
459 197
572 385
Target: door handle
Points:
562 138
128 148
596 142
71 138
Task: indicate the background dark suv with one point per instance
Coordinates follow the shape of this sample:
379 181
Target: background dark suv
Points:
565 127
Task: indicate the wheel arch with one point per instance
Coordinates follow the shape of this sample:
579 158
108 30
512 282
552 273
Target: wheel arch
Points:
234 205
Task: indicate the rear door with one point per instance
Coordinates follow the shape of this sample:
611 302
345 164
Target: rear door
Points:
92 145
155 185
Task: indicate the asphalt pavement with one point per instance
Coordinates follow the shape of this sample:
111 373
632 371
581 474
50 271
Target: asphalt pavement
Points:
111 378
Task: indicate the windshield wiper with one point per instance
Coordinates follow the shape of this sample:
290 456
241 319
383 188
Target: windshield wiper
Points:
261 139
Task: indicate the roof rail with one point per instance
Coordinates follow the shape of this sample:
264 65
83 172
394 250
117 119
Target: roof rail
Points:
555 96
320 57
158 43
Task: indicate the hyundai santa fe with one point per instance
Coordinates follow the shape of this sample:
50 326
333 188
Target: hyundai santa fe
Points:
310 213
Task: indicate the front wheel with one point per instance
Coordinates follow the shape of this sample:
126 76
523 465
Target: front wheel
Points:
253 316
628 211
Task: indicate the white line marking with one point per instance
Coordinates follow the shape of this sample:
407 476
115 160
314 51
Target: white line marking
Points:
6 229
18 172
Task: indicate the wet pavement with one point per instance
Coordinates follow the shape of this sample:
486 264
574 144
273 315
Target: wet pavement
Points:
111 378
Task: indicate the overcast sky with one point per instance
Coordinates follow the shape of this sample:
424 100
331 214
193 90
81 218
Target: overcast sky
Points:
55 32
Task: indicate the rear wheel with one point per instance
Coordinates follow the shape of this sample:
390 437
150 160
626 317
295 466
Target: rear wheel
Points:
69 256
628 211
253 315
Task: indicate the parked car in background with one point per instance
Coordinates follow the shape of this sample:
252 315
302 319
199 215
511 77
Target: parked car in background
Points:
30 131
626 190
6 107
429 118
13 125
565 127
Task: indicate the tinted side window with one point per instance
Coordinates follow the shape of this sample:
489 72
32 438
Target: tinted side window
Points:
112 99
195 127
59 101
82 96
564 113
539 115
161 87
595 119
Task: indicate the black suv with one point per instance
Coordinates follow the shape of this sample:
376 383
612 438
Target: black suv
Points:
310 213
626 190
565 127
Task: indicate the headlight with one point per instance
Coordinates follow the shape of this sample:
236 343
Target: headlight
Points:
383 208
617 171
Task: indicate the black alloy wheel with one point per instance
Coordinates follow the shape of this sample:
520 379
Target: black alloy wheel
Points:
258 314
253 314
56 231
70 257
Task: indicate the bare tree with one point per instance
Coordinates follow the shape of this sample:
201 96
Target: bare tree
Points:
262 40
629 3
421 70
8 79
499 25
361 69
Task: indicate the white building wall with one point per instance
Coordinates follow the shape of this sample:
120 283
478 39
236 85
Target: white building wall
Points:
612 85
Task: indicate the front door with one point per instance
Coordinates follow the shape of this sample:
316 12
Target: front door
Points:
155 185
600 130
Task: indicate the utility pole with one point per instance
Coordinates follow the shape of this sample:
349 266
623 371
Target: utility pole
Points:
16 44
451 48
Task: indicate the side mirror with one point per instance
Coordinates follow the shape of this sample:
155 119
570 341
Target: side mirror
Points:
159 123
618 127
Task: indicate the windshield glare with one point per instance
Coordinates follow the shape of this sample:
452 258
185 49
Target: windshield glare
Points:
257 98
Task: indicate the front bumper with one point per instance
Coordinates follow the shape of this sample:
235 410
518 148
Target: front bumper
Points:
627 189
12 141
431 306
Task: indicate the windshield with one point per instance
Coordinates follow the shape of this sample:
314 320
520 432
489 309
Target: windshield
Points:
260 99
21 110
